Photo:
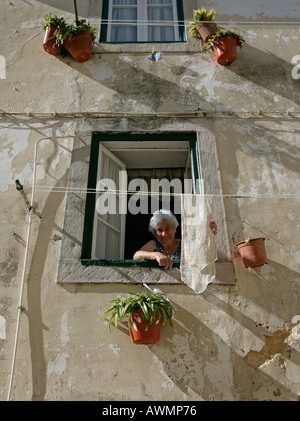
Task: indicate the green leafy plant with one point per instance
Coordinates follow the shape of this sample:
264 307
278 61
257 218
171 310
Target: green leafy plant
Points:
54 20
150 306
61 27
77 29
65 30
214 38
201 15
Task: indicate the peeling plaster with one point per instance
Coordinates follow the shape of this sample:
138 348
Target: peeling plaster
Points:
166 382
64 329
221 375
274 344
59 365
271 9
15 143
251 34
114 348
2 328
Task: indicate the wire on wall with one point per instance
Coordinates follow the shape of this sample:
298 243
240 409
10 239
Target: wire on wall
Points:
183 114
187 24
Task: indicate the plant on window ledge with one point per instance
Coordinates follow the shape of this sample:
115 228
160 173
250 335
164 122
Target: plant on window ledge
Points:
224 45
203 26
145 313
253 252
60 37
54 27
78 41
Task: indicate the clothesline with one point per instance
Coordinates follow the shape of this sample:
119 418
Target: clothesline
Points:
188 23
47 189
145 22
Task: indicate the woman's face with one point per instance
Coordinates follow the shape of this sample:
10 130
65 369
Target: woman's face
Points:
164 232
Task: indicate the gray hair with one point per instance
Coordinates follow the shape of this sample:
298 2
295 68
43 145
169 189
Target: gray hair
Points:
159 215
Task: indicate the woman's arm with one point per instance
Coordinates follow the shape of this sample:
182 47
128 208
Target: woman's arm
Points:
213 226
147 252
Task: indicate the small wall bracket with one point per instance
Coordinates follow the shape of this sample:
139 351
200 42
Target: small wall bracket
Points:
19 187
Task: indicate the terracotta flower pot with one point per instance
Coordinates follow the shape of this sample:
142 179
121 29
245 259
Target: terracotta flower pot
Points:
206 29
49 41
253 252
225 49
139 335
79 46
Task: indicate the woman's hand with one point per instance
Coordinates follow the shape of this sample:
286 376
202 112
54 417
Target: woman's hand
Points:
213 226
146 252
163 260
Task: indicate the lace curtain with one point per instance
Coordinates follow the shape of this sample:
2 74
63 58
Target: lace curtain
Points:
134 21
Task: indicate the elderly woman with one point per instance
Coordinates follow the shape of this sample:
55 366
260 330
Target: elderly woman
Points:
165 248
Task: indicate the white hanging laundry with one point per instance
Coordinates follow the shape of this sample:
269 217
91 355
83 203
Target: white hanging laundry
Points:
198 248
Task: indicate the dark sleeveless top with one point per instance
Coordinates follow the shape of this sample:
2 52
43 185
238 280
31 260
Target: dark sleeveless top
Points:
175 256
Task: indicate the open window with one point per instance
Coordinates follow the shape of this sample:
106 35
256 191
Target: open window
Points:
110 209
130 177
142 21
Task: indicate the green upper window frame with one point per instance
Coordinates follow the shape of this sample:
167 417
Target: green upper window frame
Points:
90 210
134 21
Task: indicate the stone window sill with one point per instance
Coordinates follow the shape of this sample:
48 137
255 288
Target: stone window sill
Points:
125 263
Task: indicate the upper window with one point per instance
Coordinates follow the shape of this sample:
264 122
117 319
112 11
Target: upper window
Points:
142 21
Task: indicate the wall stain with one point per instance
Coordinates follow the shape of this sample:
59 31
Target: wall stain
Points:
275 344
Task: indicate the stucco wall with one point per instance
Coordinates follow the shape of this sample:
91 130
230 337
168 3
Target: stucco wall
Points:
233 342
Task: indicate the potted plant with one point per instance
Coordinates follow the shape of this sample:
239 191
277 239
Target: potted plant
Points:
202 25
224 45
54 28
145 313
253 252
78 41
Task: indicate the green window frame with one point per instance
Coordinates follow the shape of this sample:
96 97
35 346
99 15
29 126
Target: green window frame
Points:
92 181
107 23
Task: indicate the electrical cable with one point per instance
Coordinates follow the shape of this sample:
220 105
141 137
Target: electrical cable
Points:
185 23
49 189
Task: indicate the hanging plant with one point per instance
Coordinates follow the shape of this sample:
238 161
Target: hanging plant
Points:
224 45
54 28
78 41
253 252
72 30
202 25
61 37
144 312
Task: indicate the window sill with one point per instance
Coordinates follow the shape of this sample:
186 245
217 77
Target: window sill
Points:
125 263
146 47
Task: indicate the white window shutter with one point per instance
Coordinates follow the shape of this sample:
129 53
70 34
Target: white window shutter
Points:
111 204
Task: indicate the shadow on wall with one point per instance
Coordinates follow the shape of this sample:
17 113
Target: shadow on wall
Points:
68 6
272 143
34 290
145 88
273 218
207 355
261 157
268 71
